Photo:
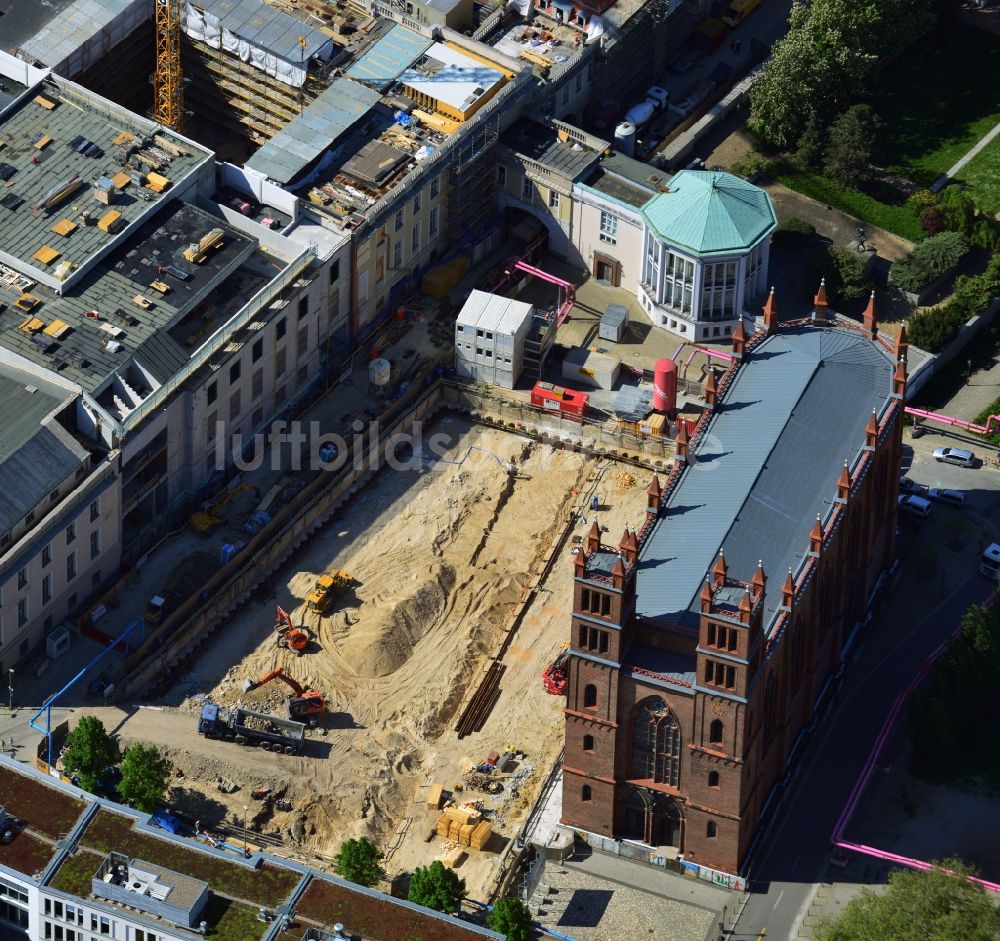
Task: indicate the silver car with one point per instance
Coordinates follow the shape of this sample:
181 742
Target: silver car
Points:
955 456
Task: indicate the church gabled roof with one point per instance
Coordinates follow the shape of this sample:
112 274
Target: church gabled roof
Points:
710 213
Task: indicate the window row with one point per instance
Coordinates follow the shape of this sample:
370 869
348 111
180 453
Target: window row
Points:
595 602
720 674
593 639
722 637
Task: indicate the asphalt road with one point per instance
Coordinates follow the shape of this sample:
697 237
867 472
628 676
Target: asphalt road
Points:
795 851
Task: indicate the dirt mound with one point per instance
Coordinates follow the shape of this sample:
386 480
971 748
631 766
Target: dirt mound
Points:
384 637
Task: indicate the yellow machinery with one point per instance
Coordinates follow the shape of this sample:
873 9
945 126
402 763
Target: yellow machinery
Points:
328 587
155 610
198 251
168 78
211 515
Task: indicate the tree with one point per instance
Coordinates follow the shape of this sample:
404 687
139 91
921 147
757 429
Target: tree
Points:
145 773
849 146
89 752
809 151
359 861
512 919
957 209
852 268
930 905
929 259
437 887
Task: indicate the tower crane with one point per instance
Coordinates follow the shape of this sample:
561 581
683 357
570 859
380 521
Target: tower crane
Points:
168 78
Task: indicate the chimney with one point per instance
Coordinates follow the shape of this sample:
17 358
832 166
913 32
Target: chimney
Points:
821 307
871 431
739 340
759 580
593 540
720 570
706 597
871 324
902 347
816 537
844 483
788 591
653 493
770 313
711 389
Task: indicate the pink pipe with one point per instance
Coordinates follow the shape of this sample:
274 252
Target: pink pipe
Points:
948 420
869 767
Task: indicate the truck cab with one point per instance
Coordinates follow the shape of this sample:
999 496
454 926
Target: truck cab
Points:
738 11
209 721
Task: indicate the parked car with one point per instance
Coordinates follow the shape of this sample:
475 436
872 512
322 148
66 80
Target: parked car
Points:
915 506
944 495
955 456
907 485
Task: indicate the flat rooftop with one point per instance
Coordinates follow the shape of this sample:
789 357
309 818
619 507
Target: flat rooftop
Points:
58 143
21 21
115 316
768 463
35 453
384 61
627 180
451 77
542 145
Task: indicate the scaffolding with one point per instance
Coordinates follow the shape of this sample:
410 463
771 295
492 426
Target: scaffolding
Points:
472 183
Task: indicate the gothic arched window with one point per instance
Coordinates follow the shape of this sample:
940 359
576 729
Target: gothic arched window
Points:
656 743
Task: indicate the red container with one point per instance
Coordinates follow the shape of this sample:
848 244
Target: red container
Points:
567 402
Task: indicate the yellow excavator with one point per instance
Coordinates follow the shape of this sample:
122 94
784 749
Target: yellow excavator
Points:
328 587
210 515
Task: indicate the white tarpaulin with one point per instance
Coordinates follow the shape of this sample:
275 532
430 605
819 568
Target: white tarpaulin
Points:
595 28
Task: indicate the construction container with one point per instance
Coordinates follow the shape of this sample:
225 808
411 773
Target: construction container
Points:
613 323
440 280
584 367
567 402
434 795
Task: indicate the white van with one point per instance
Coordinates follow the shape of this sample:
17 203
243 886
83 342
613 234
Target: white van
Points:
915 506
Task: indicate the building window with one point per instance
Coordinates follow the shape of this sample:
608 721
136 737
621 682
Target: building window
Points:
13 906
593 639
95 510
586 793
257 350
416 204
713 778
397 254
22 612
588 743
257 419
22 578
527 190
553 199
235 404
415 239
279 362
595 602
609 228
46 555
435 187
257 384
715 732
211 392
656 743
71 567
95 544
711 830
335 271
590 696
722 637
46 589
279 330
235 371
303 306
720 674
432 222
502 177
399 220
70 533
303 373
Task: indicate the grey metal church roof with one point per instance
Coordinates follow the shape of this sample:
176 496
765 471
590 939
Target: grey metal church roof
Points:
768 464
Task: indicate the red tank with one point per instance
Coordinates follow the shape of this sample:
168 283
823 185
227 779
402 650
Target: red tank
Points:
665 386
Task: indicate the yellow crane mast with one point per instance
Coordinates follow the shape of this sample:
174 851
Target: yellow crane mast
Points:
168 79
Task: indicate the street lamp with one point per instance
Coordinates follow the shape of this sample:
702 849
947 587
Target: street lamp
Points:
10 689
246 851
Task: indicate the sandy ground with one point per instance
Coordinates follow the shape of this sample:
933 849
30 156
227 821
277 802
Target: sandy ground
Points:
443 557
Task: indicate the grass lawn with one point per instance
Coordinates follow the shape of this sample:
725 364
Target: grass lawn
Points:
266 885
327 903
76 872
937 100
42 807
982 175
900 220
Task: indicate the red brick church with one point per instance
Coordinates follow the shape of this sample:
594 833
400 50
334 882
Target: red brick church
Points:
703 643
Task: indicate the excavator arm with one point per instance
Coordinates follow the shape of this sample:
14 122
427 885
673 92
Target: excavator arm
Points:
276 674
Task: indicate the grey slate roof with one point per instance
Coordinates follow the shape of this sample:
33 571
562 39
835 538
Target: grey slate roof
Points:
768 464
389 56
336 109
34 457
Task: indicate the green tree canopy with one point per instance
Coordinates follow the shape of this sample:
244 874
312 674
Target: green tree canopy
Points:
821 65
145 773
89 752
512 919
359 861
918 905
435 886
929 259
849 146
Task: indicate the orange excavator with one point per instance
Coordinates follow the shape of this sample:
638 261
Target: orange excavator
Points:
302 705
287 635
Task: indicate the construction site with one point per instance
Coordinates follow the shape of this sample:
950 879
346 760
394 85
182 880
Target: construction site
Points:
436 584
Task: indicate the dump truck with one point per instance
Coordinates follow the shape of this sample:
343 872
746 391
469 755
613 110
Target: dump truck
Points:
304 704
246 727
327 588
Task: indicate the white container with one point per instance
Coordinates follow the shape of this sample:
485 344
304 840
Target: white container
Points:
379 372
625 138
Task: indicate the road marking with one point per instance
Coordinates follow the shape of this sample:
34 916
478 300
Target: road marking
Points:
777 901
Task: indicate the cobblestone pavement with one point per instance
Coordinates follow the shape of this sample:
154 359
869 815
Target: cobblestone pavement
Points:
587 908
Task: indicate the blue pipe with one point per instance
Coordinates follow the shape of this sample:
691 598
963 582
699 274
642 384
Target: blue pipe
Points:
46 706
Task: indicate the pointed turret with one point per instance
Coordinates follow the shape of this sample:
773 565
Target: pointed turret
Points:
770 313
870 320
720 570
